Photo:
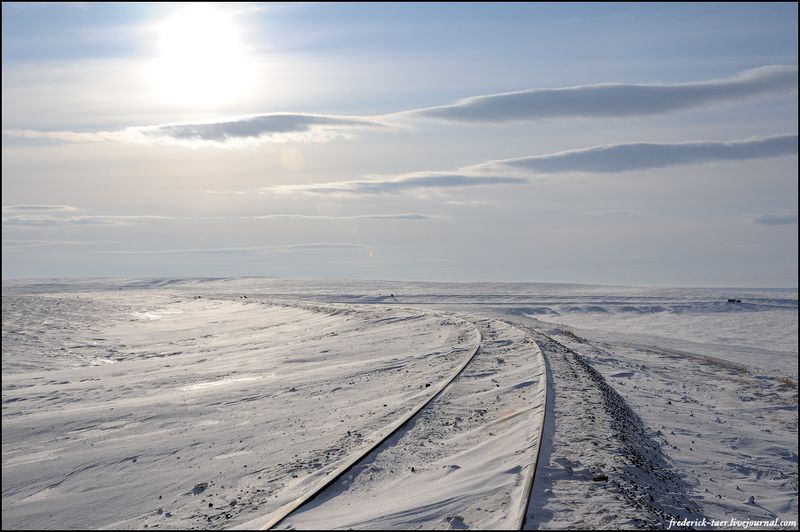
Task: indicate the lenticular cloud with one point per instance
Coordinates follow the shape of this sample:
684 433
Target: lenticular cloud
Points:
609 100
611 158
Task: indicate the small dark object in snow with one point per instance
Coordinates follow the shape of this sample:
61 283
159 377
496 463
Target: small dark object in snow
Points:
457 522
167 514
734 300
199 488
413 470
601 477
292 389
427 385
233 502
211 505
751 500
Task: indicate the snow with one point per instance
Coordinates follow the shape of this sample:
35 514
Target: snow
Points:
730 431
211 403
257 400
466 461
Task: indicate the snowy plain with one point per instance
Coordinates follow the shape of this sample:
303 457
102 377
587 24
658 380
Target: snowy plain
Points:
217 403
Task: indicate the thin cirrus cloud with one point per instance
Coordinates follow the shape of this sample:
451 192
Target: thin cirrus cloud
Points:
313 246
398 216
40 220
778 218
15 243
413 182
608 100
31 215
611 212
613 158
467 203
39 208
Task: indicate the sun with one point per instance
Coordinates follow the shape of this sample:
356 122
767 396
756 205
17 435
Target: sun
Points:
202 61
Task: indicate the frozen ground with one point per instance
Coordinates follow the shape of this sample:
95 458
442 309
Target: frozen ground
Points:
211 403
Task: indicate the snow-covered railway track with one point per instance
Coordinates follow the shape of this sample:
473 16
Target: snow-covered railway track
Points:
602 455
357 458
464 457
213 410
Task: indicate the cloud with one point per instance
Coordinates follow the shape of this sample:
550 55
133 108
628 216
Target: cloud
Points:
644 156
242 249
611 158
399 216
47 220
467 203
402 183
316 245
38 243
41 220
613 100
233 132
613 212
782 218
608 100
39 208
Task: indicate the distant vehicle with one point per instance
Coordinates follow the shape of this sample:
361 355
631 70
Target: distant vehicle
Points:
732 300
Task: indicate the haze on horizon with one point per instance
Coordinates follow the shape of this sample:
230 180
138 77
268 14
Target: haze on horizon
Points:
622 144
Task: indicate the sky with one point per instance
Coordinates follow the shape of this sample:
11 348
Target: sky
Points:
626 144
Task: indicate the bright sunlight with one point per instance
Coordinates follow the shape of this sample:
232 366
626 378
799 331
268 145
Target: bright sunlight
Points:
202 62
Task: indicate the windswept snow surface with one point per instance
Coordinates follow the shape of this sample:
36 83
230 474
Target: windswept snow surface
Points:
466 461
216 408
211 403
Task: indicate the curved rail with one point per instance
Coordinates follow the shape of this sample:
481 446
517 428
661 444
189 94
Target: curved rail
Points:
280 515
353 461
529 485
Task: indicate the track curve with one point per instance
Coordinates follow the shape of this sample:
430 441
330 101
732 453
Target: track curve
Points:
488 418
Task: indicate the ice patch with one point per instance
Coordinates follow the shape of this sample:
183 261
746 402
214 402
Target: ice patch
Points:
222 382
231 455
155 314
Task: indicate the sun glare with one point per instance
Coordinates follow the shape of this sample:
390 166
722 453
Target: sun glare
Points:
202 61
